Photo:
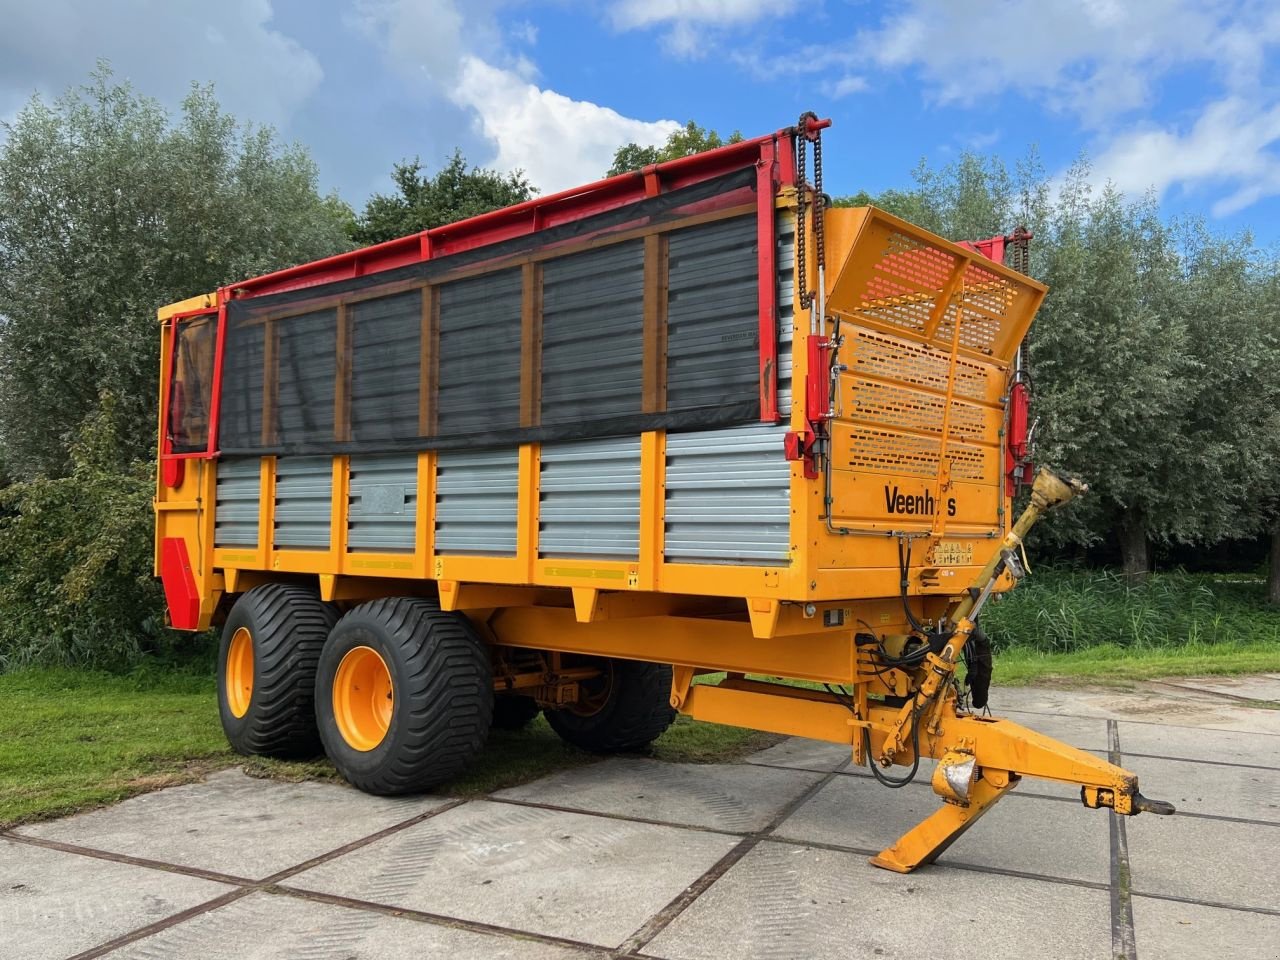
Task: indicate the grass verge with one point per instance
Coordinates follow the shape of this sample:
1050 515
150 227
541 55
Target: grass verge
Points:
71 740
1107 662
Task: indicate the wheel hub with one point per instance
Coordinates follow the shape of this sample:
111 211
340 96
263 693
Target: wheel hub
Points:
363 698
239 672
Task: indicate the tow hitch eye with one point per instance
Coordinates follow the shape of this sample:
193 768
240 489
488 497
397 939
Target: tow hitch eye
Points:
1130 803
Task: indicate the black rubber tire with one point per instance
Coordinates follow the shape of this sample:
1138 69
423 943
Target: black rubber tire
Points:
636 709
442 683
512 711
288 625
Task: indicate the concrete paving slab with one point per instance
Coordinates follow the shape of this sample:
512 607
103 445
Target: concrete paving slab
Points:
235 824
1053 701
783 901
267 927
1185 931
1197 743
1192 709
1145 701
55 904
1264 687
1192 787
1211 860
735 797
1028 834
800 753
572 875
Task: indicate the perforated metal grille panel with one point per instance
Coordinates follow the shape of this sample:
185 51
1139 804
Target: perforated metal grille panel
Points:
894 406
304 488
382 502
476 501
239 485
728 496
900 276
877 354
893 400
901 454
590 499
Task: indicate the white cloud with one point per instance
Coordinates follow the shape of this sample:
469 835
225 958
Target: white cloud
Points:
1104 61
1095 58
848 84
1231 146
458 54
259 73
687 22
557 141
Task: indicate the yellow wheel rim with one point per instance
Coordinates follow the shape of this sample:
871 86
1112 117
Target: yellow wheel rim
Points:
239 671
363 698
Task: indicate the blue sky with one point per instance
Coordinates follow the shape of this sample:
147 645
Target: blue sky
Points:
1178 96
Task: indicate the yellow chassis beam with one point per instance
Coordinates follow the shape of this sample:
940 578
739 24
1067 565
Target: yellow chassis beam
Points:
1002 752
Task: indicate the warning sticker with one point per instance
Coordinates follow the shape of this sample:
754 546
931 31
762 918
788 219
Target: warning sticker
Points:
953 553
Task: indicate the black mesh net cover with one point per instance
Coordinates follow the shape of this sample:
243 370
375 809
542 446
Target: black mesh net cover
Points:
432 355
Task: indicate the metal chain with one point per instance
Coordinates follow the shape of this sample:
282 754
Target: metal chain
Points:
819 203
802 248
802 273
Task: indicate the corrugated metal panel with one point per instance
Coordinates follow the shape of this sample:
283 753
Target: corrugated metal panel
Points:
304 488
480 353
728 496
786 308
593 333
590 499
382 502
235 518
385 366
306 367
240 418
712 313
476 501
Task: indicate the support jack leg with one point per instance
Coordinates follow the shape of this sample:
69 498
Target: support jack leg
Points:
926 841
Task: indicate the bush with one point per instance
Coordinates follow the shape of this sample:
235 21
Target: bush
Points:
76 584
1064 610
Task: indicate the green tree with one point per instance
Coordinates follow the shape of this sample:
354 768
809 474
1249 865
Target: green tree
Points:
1150 357
1112 367
108 209
683 142
75 558
422 202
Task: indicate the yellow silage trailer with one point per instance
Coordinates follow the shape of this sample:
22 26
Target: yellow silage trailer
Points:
644 447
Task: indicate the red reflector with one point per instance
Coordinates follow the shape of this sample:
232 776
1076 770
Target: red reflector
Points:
172 471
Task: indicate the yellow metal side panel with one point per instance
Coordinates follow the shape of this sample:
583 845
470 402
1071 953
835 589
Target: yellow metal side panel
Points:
713 644
186 512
